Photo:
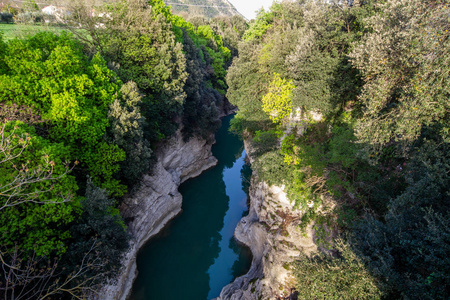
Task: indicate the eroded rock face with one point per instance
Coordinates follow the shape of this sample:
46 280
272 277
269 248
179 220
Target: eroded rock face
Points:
157 201
271 232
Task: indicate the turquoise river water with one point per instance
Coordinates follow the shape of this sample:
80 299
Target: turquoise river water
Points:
195 256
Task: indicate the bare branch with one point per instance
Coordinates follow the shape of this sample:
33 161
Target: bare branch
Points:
37 277
19 188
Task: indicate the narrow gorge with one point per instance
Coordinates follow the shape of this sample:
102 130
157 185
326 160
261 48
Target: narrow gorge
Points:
188 235
196 251
196 255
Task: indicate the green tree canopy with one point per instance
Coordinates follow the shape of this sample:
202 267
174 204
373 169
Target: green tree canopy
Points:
36 193
50 74
402 62
277 103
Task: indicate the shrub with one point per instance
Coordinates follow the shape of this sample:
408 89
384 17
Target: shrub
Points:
31 17
345 277
264 141
6 17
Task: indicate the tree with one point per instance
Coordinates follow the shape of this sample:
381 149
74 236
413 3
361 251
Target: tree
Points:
139 42
127 131
200 110
277 103
39 277
43 224
35 191
99 224
231 29
247 85
401 62
51 75
409 248
15 189
259 26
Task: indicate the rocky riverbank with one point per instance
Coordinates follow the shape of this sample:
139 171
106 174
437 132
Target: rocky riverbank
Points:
157 201
271 231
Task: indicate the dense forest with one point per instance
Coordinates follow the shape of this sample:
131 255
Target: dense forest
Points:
347 105
80 116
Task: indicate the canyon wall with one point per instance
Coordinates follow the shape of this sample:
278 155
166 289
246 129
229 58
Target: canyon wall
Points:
157 201
272 233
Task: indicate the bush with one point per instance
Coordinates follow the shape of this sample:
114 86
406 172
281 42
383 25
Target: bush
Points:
100 223
6 17
264 141
271 168
31 17
325 277
409 247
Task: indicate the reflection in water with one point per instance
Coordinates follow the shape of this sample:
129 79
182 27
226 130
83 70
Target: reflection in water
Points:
237 204
196 255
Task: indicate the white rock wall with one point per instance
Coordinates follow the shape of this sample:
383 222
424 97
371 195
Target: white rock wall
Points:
274 242
157 202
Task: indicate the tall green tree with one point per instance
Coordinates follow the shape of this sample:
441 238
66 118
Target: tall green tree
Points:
50 74
127 131
402 62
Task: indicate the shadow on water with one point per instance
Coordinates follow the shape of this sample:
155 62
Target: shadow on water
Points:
196 254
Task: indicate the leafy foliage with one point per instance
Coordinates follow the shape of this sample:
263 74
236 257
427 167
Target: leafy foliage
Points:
127 131
277 103
167 57
259 26
264 141
345 277
401 63
231 29
247 94
100 222
138 39
200 109
366 148
411 246
66 114
34 191
51 74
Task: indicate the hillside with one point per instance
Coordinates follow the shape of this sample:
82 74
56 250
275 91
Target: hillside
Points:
207 8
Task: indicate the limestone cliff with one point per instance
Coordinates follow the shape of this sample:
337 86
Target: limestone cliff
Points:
205 8
157 201
271 231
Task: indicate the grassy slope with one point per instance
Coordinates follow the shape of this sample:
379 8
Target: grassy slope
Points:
11 31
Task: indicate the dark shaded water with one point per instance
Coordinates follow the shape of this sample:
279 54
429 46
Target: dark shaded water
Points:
195 256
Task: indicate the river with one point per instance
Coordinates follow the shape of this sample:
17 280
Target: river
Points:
195 255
